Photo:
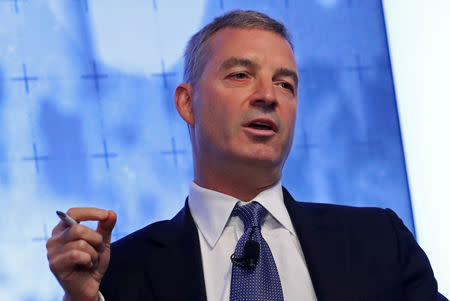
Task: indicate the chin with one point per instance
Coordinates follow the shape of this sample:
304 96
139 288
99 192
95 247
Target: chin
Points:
263 158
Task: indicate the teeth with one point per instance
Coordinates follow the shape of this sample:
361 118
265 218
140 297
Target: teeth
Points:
259 123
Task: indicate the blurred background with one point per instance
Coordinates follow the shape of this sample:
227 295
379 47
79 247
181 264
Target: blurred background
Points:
87 116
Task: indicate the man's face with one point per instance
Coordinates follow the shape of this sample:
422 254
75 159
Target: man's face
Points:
245 102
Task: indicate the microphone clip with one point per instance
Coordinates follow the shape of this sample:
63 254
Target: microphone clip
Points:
250 256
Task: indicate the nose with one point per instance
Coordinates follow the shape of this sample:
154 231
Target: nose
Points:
265 96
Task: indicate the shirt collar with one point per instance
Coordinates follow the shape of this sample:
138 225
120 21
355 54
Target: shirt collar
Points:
211 209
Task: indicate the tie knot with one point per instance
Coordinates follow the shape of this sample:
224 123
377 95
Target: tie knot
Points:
252 215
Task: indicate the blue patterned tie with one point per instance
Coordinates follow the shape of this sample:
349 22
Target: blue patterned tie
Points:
250 282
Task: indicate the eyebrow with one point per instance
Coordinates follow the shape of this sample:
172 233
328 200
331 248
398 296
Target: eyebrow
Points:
236 61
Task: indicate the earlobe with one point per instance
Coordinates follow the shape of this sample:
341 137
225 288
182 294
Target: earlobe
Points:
183 102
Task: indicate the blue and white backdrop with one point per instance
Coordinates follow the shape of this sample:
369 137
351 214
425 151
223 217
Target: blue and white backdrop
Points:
87 116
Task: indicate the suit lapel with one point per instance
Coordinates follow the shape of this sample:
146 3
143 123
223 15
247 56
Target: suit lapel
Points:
325 248
178 272
176 266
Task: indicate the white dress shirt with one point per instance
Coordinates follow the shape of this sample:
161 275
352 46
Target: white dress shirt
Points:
219 234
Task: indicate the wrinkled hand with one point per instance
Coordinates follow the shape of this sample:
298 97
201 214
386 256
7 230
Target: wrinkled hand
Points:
79 256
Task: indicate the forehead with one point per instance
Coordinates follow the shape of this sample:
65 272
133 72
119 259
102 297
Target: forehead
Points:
261 46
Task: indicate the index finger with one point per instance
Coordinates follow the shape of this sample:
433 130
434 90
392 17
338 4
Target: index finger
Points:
87 214
82 214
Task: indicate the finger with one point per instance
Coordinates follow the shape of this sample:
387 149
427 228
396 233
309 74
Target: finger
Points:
106 226
87 214
80 245
68 261
81 214
60 227
81 232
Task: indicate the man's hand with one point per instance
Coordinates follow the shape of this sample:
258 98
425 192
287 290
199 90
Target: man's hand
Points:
78 255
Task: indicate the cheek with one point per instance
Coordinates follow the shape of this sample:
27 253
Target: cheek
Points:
290 114
290 118
215 117
293 119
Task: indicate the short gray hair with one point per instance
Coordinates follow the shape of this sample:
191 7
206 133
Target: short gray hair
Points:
194 54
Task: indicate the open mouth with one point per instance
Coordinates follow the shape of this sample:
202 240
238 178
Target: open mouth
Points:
260 126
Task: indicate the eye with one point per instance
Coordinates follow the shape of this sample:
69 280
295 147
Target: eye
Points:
239 75
286 85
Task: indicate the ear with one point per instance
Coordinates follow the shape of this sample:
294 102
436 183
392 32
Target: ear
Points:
183 102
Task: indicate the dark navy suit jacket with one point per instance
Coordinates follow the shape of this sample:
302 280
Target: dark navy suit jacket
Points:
363 254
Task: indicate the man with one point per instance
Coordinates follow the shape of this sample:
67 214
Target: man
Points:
239 100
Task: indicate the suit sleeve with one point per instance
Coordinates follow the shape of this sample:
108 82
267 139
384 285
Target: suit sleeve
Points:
418 278
125 277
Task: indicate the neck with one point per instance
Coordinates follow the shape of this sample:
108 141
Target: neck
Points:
242 181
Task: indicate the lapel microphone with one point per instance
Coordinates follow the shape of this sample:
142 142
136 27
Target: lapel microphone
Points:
250 257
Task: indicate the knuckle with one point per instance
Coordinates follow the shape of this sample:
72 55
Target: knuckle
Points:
49 243
81 244
77 230
73 255
52 266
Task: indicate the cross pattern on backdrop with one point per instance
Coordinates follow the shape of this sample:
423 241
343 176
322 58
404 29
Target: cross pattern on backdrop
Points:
95 76
25 78
36 158
164 75
174 151
105 154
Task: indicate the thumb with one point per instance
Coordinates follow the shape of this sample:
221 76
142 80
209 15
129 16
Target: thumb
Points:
106 226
